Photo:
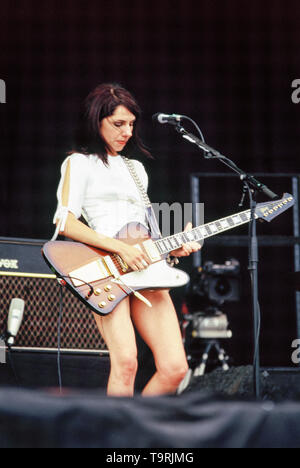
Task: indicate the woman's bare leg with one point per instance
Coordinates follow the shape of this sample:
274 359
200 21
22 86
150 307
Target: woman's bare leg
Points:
118 333
159 327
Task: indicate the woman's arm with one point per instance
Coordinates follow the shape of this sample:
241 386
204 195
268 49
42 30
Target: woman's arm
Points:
78 231
70 195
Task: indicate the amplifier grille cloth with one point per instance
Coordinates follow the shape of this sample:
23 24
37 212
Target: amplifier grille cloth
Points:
39 327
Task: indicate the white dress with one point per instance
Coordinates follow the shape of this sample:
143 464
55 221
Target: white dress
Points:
106 196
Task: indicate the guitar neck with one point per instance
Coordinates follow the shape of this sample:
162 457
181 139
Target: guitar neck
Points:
170 243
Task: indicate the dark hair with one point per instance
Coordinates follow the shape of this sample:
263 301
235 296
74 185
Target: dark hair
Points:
99 104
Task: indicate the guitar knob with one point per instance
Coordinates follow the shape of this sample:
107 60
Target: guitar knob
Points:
108 288
97 292
111 297
102 304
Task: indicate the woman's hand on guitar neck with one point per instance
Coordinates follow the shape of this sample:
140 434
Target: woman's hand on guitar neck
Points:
188 248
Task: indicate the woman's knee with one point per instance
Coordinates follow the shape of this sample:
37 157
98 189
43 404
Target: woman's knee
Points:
125 367
173 372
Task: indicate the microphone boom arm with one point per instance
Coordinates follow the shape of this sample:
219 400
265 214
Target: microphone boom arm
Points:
211 153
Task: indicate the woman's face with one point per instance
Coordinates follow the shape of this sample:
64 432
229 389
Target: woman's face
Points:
117 129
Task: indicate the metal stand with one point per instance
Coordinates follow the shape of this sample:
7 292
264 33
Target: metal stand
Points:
222 357
210 327
197 180
253 186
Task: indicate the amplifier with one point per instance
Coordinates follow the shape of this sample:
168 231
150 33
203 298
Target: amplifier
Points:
24 274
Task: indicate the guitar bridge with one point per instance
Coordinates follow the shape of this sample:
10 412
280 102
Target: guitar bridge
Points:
93 271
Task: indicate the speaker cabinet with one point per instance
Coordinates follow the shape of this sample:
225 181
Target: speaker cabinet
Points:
24 274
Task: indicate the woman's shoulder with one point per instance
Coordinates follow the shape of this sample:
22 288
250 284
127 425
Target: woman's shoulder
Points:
139 165
79 164
80 157
80 160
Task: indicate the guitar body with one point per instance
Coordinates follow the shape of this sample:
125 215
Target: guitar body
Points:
92 274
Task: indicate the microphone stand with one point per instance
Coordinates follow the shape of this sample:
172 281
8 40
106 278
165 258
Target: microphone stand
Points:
2 341
253 186
4 337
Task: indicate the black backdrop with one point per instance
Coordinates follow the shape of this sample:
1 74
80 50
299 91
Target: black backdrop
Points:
229 65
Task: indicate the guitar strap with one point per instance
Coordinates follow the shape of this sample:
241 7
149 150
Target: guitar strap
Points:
150 214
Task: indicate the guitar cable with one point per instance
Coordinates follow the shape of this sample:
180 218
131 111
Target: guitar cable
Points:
3 337
60 314
62 283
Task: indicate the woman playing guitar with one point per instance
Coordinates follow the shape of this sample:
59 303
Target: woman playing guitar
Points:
95 183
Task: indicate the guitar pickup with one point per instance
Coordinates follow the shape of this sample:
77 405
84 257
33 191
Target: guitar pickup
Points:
93 271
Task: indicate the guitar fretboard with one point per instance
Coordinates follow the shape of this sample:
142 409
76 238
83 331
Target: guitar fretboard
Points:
168 244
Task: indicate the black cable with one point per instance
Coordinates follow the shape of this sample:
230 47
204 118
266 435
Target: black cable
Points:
12 365
256 344
60 321
195 125
257 330
59 337
78 279
3 338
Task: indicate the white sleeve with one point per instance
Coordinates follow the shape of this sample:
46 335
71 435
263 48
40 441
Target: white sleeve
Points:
76 169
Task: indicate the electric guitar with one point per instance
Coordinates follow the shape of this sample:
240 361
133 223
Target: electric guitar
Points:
101 279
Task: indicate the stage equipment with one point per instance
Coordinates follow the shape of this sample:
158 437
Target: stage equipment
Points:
204 323
251 186
172 119
214 284
202 333
15 317
24 274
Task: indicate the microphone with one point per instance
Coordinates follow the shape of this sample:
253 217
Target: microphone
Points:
15 317
172 119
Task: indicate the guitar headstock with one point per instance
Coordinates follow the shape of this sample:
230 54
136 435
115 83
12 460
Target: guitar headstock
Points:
269 210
